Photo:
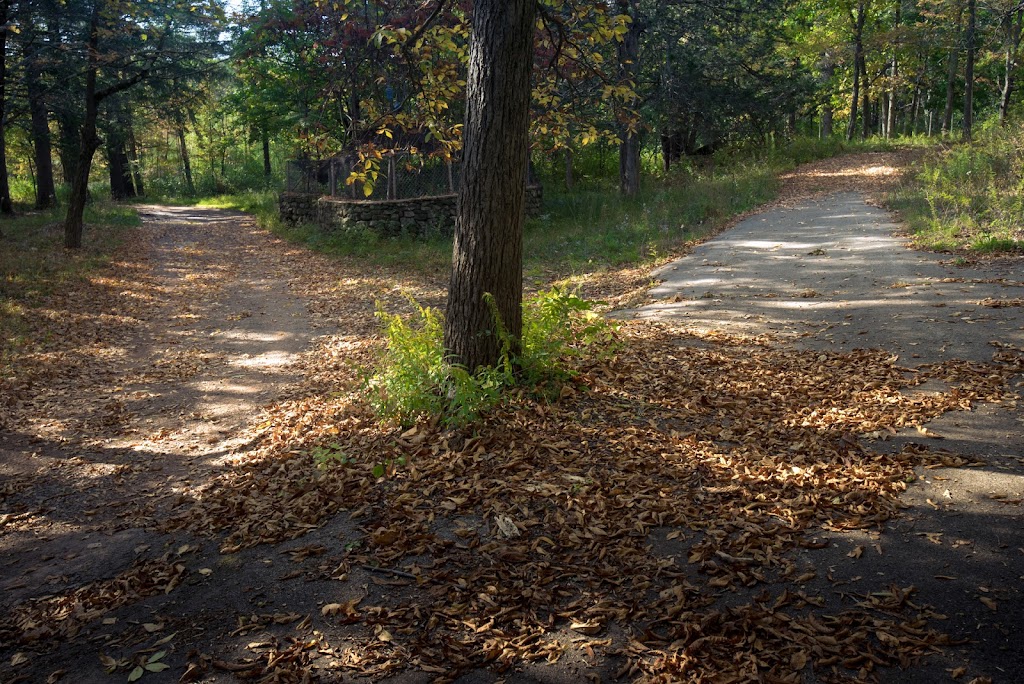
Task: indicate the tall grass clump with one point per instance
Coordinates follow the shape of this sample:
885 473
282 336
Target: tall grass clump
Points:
969 197
415 380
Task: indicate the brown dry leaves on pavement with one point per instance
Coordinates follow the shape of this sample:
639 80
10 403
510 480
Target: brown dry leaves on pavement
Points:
646 525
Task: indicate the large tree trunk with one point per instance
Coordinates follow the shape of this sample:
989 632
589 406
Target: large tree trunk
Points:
88 142
629 64
488 253
69 140
969 71
6 207
1012 27
122 185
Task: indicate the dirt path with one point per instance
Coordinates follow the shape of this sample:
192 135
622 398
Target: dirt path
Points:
154 406
162 504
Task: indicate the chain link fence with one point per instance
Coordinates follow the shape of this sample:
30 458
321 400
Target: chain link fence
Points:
399 178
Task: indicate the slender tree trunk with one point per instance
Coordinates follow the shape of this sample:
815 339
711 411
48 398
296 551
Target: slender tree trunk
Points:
827 72
6 206
951 73
134 158
969 71
890 119
910 123
487 258
186 162
858 57
267 171
89 142
1012 26
865 98
570 176
46 193
947 116
629 64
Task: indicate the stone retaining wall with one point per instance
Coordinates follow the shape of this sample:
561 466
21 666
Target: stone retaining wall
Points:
422 217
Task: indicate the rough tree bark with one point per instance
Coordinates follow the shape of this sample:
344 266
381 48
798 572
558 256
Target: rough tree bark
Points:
488 251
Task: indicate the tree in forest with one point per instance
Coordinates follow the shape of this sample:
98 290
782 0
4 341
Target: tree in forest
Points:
484 310
1010 14
6 207
629 67
716 74
123 44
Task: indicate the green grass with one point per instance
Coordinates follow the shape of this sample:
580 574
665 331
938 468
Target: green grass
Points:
969 198
34 263
591 228
260 203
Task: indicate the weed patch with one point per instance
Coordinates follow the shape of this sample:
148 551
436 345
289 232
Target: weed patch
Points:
969 197
415 380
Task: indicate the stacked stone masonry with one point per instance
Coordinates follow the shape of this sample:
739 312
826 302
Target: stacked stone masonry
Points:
422 217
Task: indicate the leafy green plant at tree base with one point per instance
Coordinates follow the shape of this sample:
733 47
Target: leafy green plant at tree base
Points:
414 380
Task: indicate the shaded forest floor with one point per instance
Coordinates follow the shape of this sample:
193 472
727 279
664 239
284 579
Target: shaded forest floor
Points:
188 491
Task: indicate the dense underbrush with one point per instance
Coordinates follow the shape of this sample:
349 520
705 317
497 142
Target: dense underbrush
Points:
969 197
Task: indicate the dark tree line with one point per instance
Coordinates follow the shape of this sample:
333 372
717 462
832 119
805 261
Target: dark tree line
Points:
82 67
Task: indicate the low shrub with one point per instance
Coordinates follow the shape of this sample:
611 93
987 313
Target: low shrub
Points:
414 380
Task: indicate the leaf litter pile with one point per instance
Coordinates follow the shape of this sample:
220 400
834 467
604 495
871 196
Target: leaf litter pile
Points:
649 516
649 524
